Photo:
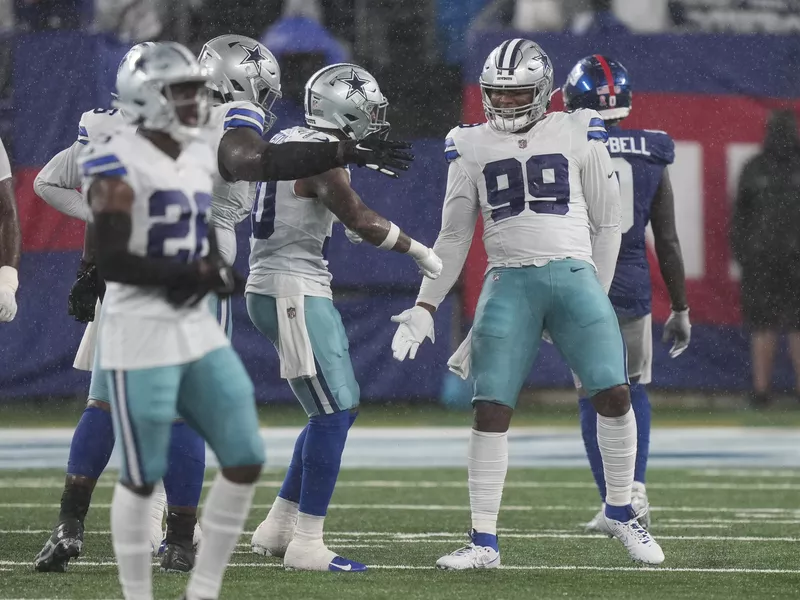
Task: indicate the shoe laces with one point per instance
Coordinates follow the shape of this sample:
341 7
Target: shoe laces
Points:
639 532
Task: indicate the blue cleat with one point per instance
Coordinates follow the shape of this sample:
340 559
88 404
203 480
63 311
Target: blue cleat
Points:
346 565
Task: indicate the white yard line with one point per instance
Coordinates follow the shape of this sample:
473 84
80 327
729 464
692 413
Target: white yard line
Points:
260 565
50 483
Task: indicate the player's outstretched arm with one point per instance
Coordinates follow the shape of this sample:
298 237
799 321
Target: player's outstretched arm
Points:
459 215
111 200
10 242
244 156
601 190
333 189
670 262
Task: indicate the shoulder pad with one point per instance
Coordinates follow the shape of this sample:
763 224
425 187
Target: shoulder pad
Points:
96 121
594 124
243 114
660 145
103 158
451 152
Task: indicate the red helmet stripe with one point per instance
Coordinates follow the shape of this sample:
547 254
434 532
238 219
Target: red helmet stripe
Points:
607 72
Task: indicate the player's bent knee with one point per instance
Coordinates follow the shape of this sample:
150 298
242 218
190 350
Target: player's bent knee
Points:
102 405
244 474
612 402
491 417
140 490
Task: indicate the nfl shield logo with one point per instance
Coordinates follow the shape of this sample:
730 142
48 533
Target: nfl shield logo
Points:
495 276
291 312
522 144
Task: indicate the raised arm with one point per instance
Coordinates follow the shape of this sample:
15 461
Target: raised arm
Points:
244 155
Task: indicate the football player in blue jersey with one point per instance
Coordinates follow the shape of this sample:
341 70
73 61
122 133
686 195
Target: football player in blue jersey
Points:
640 158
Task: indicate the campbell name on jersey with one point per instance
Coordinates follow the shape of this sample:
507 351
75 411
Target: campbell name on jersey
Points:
530 187
639 157
169 217
290 234
231 200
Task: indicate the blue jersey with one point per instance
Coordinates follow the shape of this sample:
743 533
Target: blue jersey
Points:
639 157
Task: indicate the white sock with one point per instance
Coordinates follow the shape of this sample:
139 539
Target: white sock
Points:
487 459
130 533
284 510
616 437
157 508
224 514
308 529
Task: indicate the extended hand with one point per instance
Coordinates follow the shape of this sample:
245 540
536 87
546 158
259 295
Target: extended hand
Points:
372 152
416 324
679 329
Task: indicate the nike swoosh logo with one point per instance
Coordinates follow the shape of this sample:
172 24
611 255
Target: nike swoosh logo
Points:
576 269
611 174
342 567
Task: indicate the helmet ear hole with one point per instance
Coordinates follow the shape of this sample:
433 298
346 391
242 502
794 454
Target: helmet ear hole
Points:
236 85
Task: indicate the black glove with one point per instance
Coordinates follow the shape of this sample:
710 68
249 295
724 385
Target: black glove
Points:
213 275
372 152
86 290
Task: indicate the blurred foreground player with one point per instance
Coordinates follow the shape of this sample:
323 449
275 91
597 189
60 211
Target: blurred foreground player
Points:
163 352
545 187
289 300
640 158
93 440
10 241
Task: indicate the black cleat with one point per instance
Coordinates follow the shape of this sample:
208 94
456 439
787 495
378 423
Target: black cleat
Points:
65 542
177 559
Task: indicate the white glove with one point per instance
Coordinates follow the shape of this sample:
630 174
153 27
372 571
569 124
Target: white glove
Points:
415 325
679 329
8 289
429 264
353 236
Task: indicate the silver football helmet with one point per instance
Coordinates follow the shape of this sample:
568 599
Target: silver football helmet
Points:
243 69
144 95
517 65
347 98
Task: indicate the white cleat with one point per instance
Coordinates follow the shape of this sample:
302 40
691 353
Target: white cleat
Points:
598 523
470 556
637 541
315 556
640 505
273 535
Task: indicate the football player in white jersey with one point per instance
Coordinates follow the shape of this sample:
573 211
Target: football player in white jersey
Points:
10 241
289 300
93 440
163 352
545 187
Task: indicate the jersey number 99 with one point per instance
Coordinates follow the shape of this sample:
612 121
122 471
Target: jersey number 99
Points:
178 226
547 183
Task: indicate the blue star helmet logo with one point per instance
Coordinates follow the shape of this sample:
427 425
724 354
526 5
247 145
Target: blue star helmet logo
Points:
356 84
253 57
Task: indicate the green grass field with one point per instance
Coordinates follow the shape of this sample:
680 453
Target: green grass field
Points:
726 534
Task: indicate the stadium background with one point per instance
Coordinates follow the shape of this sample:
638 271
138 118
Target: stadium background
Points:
710 91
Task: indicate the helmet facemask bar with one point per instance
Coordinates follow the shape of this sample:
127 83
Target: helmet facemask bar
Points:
264 95
378 125
513 119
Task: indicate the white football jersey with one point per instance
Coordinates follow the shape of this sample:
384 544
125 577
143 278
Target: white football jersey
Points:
139 327
290 233
231 200
542 194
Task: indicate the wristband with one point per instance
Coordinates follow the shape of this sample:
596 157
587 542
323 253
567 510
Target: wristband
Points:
417 251
8 276
391 237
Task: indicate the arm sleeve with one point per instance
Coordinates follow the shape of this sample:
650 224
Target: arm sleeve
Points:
601 190
57 181
459 215
5 165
